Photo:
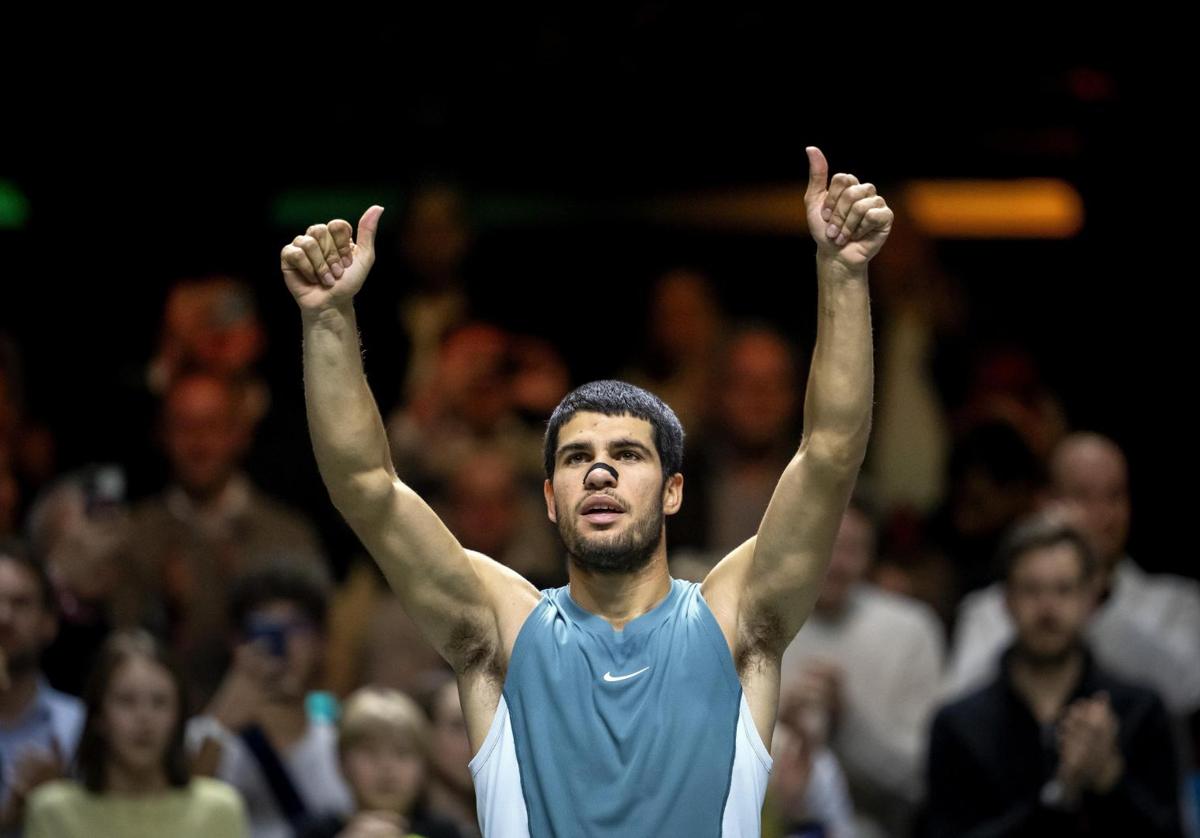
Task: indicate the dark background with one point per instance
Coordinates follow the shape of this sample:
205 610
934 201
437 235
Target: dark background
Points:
153 149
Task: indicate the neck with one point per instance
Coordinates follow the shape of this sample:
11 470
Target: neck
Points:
14 701
1046 685
121 779
622 597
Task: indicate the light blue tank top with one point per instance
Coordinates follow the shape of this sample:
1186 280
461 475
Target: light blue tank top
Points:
642 731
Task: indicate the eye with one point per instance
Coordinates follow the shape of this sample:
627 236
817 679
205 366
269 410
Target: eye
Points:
632 454
573 458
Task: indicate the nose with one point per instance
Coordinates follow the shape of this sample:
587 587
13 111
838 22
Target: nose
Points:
599 476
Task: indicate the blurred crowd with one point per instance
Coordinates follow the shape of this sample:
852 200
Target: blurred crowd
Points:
985 656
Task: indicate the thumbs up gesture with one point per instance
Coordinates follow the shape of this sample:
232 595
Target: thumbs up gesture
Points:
848 220
326 266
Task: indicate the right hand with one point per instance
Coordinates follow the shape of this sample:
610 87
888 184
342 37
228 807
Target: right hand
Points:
325 267
247 686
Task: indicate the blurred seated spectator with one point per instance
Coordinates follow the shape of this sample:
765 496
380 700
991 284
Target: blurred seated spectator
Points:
134 780
207 527
258 733
869 662
39 726
1053 745
383 742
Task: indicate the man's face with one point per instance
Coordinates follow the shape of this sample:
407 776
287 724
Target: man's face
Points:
1091 476
303 646
610 524
758 396
1050 602
203 436
26 627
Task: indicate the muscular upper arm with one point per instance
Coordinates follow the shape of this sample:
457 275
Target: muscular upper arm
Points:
468 606
767 586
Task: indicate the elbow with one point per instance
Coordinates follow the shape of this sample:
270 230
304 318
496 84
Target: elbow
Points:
837 453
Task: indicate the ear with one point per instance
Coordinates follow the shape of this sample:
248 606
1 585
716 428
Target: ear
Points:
673 494
551 511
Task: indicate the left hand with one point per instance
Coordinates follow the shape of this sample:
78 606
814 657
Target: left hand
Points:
1087 746
847 219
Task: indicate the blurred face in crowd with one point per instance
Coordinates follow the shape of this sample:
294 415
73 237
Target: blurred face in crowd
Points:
139 715
1050 600
623 535
203 435
758 393
853 551
473 375
1089 473
386 772
685 319
449 747
26 627
302 646
485 503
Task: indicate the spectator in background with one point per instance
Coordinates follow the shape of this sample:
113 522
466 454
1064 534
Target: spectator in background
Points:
134 777
258 734
451 790
1053 745
749 438
39 726
207 527
489 509
211 326
869 663
79 530
383 743
1146 628
685 326
468 405
807 795
27 448
993 480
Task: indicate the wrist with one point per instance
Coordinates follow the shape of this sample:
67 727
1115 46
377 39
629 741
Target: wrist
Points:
830 266
332 313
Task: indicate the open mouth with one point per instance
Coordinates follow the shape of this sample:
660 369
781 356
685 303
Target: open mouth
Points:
602 516
600 509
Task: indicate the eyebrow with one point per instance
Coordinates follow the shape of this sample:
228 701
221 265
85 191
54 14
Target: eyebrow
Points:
623 442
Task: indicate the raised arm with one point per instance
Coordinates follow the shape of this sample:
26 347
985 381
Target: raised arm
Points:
452 594
764 590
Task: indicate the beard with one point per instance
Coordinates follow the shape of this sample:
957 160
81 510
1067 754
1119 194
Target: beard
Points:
605 553
1042 656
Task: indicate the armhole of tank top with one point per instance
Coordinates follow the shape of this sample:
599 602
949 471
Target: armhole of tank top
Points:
712 630
493 735
746 720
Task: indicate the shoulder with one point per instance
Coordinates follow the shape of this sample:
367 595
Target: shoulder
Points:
214 793
55 795
970 712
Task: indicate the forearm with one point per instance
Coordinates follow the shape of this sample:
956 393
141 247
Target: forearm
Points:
837 405
348 436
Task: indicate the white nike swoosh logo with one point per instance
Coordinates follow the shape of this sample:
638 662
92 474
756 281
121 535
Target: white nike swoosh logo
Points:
608 676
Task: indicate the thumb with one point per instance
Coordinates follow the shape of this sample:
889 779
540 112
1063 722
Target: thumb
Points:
818 174
367 225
